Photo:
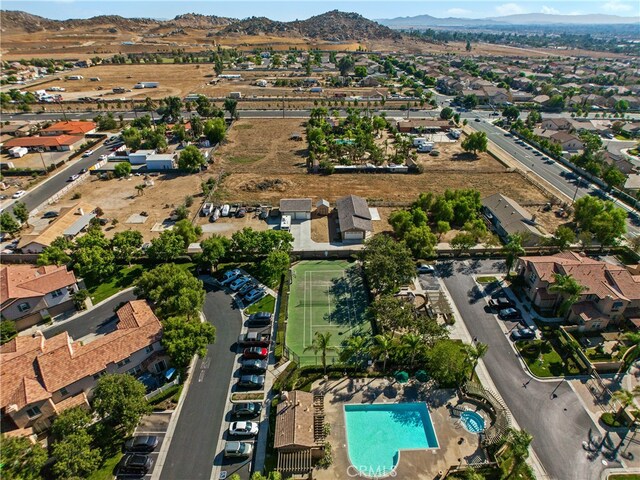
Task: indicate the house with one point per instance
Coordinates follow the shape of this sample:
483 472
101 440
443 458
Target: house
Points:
611 292
567 141
423 126
323 207
75 127
296 208
30 294
59 143
354 218
556 124
41 377
299 432
497 96
69 224
139 157
509 218
633 182
164 161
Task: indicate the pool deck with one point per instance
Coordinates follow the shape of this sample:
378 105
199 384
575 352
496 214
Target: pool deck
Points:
456 445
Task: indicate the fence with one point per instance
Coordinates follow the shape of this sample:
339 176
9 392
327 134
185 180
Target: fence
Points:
163 388
326 254
19 258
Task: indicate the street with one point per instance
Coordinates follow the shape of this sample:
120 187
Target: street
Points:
548 410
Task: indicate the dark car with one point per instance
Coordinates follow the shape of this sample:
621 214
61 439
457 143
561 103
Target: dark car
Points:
246 410
134 463
500 303
50 214
257 353
510 314
247 287
523 334
143 443
84 170
253 366
251 381
260 319
241 213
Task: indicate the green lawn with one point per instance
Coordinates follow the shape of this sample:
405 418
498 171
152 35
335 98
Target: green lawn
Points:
542 359
124 277
625 476
106 471
486 279
265 304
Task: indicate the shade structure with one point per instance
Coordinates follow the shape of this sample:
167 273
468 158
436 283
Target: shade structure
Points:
402 377
422 376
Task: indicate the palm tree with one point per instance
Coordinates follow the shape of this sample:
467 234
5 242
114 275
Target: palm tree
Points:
569 288
475 354
321 344
519 441
625 397
412 345
355 350
514 250
382 347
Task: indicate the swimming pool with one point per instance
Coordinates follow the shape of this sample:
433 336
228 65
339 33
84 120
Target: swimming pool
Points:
472 421
376 434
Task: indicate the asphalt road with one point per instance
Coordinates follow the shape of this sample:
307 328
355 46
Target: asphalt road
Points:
97 321
558 424
553 172
192 451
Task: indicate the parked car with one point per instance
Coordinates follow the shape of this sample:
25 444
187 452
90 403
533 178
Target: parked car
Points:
252 382
73 177
426 268
241 213
87 153
230 275
19 194
215 215
143 443
509 314
500 303
523 334
260 319
259 353
254 366
239 282
247 287
207 209
134 463
50 214
246 410
243 428
255 294
238 449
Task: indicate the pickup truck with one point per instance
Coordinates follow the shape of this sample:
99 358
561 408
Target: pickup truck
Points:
254 339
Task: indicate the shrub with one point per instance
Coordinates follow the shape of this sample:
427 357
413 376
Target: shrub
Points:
76 196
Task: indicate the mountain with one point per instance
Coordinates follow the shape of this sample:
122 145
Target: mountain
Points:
197 21
17 21
259 26
342 26
425 21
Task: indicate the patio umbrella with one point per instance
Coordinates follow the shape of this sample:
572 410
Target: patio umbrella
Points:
402 377
422 376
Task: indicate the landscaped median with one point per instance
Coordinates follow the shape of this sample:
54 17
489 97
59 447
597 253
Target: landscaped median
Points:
548 357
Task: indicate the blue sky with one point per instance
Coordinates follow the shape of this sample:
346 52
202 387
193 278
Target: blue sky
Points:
301 9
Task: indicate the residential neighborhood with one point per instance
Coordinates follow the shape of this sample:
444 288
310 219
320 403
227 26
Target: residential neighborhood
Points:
263 243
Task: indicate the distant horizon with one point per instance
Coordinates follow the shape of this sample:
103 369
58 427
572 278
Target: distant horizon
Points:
300 10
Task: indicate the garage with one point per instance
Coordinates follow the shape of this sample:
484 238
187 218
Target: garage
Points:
354 235
296 208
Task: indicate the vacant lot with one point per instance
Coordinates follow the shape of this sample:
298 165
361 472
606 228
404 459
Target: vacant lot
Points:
264 166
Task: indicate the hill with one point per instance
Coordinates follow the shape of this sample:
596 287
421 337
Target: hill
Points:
259 26
341 26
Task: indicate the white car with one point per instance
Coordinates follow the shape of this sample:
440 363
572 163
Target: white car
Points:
87 153
230 275
254 295
425 268
243 428
18 194
239 282
73 177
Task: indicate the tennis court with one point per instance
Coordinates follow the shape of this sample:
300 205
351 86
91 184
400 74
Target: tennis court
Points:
325 296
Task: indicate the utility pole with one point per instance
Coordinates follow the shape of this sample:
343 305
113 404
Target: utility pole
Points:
283 105
577 188
46 171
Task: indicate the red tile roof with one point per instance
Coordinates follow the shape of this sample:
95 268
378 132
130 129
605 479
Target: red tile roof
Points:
72 128
53 141
27 281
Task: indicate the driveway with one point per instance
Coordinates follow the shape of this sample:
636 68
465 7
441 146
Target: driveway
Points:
153 424
549 410
301 231
195 439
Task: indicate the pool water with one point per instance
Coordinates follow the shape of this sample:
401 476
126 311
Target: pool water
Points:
377 433
472 421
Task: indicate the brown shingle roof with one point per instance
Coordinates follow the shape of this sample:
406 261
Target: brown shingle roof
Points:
353 214
294 421
27 281
295 205
59 226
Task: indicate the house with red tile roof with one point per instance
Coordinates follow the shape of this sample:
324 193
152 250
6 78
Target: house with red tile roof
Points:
75 127
611 292
41 377
58 143
30 294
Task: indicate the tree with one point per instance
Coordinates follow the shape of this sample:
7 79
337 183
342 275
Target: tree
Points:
166 248
511 113
21 459
463 241
602 218
93 262
345 64
360 71
7 331
70 421
53 256
563 237
8 224
447 363
170 109
475 353
412 345
321 343
621 106
119 400
468 46
382 348
625 398
391 313
214 249
475 142
20 212
387 264
421 241
74 456
126 245
470 101
442 228
122 169
231 106
215 130
569 289
175 291
514 250
182 339
613 177
191 159
274 266
446 113
106 122
519 441
355 350
132 138
189 233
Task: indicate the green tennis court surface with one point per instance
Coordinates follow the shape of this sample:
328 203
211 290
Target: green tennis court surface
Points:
325 296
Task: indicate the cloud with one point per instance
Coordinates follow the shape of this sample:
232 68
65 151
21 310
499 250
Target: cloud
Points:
616 6
511 9
458 11
550 10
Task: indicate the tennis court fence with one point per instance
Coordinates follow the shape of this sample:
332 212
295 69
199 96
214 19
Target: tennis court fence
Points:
333 358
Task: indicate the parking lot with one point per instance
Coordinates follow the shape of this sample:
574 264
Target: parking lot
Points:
155 424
